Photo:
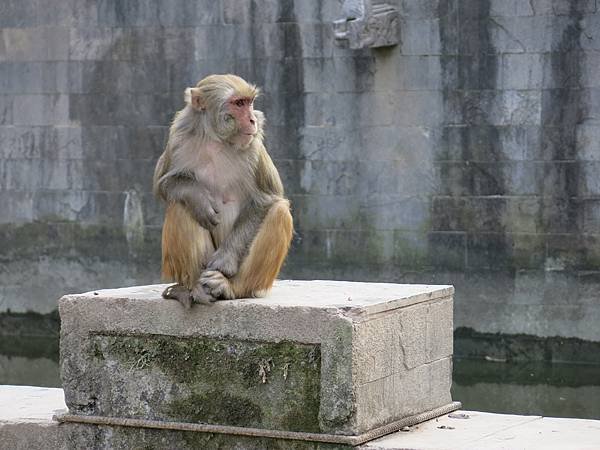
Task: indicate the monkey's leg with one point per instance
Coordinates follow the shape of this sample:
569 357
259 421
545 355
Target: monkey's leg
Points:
186 247
263 262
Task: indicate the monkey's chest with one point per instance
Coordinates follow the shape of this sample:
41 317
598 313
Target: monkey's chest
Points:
229 210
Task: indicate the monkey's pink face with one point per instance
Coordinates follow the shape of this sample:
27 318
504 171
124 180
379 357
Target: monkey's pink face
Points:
242 109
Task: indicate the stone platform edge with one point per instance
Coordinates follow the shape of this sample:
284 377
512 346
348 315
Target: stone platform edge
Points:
259 432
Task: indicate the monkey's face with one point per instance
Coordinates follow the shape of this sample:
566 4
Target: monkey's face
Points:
226 104
241 120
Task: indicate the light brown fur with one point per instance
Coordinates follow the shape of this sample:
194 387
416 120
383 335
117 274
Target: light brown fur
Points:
210 174
186 246
267 253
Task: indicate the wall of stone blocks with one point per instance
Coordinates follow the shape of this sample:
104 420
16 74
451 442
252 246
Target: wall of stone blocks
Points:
467 155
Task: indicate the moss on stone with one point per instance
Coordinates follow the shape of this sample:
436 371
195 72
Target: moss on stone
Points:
217 407
223 380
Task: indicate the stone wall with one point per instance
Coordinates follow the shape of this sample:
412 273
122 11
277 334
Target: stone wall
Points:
468 154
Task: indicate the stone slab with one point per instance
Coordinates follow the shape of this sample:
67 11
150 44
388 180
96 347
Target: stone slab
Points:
28 404
314 356
26 412
26 418
481 430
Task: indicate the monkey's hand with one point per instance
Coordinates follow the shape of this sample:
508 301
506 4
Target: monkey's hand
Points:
203 208
226 262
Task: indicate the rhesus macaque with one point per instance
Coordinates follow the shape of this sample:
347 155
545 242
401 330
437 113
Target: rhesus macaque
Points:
227 227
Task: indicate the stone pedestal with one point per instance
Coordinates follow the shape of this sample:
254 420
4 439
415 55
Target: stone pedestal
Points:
326 357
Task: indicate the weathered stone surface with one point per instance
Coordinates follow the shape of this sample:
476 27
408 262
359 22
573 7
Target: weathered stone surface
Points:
313 356
26 418
484 119
31 428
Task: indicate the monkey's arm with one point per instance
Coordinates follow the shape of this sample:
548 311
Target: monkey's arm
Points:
159 171
235 247
267 177
183 188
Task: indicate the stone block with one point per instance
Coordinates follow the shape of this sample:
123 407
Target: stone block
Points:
188 13
522 71
417 73
421 37
330 143
136 13
410 250
489 178
447 249
306 12
467 72
590 35
510 8
18 205
589 182
500 108
326 211
122 110
569 8
421 9
591 216
34 44
402 212
533 34
34 77
348 247
320 356
319 75
41 109
356 74
418 108
561 214
93 43
6 109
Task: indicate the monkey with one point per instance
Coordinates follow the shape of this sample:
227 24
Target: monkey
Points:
227 227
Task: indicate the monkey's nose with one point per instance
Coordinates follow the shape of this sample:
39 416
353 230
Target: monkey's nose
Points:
252 121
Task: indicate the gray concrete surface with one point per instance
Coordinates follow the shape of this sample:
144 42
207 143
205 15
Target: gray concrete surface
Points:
25 423
26 418
494 432
466 155
315 356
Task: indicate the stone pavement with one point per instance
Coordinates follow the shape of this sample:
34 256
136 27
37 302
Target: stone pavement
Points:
26 423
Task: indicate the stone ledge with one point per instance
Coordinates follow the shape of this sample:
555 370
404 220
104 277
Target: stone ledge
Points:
26 418
25 423
314 356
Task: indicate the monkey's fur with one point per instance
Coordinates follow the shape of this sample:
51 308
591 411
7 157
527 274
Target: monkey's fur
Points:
227 226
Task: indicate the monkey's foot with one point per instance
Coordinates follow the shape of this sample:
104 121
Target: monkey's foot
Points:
200 295
217 285
180 293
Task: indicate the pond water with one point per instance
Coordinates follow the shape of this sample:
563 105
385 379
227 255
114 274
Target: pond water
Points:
558 390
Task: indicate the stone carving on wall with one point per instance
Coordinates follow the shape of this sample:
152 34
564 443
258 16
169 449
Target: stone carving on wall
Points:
367 25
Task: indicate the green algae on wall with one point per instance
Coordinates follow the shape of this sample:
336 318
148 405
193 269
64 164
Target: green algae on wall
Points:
217 380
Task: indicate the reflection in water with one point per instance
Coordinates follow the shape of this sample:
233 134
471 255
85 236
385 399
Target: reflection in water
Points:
559 390
29 372
29 361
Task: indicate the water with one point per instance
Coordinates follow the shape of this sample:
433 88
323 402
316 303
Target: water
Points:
558 390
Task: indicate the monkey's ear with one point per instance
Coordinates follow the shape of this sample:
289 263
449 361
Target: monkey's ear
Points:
192 96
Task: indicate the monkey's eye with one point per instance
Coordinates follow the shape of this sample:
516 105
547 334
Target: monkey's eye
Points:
239 103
